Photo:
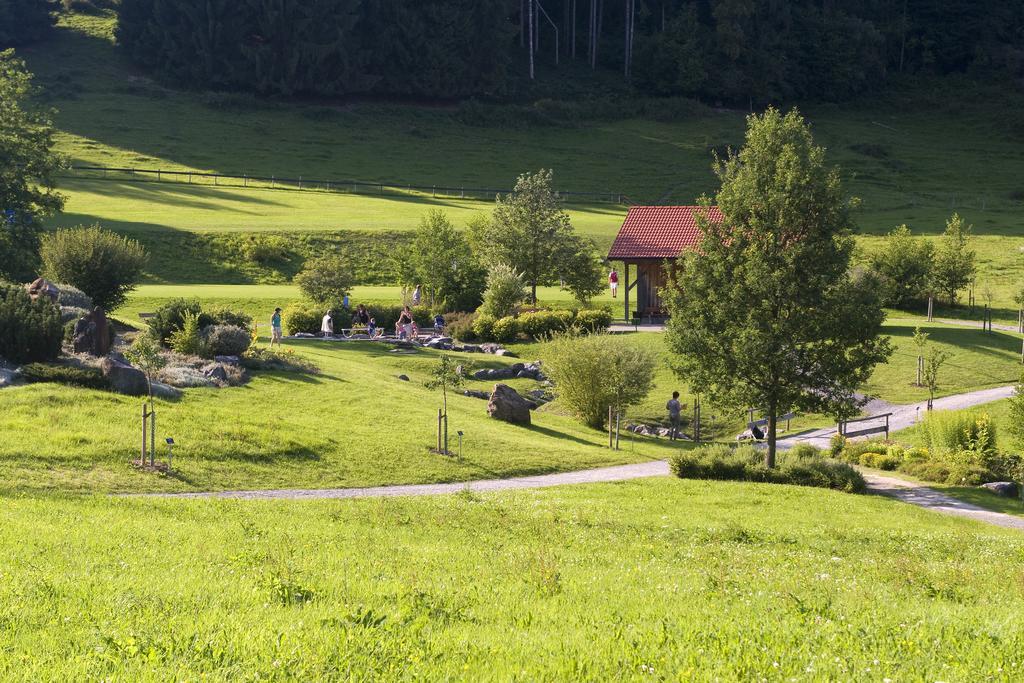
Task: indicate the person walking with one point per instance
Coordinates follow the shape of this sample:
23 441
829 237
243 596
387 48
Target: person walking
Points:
417 295
275 328
675 410
327 325
613 282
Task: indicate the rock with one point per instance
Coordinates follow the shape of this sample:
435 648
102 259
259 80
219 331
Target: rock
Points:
123 378
6 377
92 334
216 371
404 378
490 347
228 360
505 353
507 405
517 367
484 373
664 431
460 370
541 396
40 287
523 374
161 390
473 393
470 348
1002 488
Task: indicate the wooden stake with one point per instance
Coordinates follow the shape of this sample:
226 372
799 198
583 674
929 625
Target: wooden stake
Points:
438 430
931 301
610 428
616 430
144 416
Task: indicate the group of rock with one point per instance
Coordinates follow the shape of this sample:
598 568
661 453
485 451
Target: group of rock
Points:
516 370
653 430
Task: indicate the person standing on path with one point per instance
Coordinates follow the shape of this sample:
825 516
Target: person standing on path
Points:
613 282
275 328
327 326
675 410
417 295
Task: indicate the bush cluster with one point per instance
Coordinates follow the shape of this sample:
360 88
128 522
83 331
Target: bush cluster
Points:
537 324
460 326
101 263
90 378
802 467
29 330
183 325
226 340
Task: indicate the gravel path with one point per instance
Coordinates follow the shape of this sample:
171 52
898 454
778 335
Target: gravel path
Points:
907 415
930 499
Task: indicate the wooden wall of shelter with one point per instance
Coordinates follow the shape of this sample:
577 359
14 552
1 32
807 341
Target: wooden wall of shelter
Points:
642 293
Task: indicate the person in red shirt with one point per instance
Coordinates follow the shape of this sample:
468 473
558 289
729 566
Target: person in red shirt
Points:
613 282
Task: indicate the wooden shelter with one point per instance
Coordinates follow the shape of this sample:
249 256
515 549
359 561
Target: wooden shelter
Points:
650 238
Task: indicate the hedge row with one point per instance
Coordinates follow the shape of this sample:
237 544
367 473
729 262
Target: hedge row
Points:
532 325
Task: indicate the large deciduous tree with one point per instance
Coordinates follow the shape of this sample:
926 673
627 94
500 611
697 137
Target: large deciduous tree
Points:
905 264
28 168
766 313
530 231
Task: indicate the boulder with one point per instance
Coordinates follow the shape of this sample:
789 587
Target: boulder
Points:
161 390
228 360
470 348
507 405
6 377
473 393
517 367
490 347
505 353
1002 488
40 287
404 378
123 378
92 334
216 371
460 370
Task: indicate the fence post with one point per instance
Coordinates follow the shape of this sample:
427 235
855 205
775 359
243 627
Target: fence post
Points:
931 301
190 177
245 180
158 175
300 182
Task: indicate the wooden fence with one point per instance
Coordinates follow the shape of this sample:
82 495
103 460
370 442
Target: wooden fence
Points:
301 183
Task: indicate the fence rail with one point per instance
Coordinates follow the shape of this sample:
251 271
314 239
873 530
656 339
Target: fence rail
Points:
314 184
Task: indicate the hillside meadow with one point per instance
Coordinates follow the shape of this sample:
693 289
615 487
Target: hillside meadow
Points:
895 151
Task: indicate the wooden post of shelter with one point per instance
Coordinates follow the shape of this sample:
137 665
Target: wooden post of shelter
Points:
931 301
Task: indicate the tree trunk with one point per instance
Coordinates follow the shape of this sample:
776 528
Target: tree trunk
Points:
530 21
769 458
533 293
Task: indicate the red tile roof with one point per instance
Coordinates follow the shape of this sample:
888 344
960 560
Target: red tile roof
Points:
659 232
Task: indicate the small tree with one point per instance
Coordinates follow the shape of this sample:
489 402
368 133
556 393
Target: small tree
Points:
921 343
103 264
325 280
905 263
188 339
144 354
445 376
582 271
441 260
597 371
954 259
527 231
934 358
29 165
505 290
1016 417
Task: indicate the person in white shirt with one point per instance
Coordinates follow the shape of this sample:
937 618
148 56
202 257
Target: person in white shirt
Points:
327 326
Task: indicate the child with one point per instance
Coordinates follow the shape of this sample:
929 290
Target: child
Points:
371 328
438 324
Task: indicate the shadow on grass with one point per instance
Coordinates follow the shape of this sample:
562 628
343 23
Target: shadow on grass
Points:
984 498
547 431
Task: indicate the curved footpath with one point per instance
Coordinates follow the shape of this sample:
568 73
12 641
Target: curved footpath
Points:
905 491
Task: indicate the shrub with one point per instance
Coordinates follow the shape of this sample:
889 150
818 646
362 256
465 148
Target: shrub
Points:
188 340
69 314
880 461
951 432
805 467
325 280
184 377
387 316
460 326
171 316
308 318
74 297
264 249
836 445
540 324
225 316
596 371
90 378
594 320
261 358
226 340
29 330
929 470
505 329
505 290
483 327
102 264
855 449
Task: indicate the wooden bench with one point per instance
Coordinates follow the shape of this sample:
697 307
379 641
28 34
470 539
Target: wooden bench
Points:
844 430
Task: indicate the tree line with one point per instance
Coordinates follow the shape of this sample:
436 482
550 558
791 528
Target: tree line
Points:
721 50
25 21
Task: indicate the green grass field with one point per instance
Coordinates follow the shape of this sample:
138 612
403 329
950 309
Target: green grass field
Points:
658 579
913 157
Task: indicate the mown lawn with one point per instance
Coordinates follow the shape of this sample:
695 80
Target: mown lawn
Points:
658 579
355 424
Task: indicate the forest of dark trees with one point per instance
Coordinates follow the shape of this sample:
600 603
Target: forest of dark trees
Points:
25 21
731 51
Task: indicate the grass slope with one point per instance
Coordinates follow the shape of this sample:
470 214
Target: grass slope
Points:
662 579
912 157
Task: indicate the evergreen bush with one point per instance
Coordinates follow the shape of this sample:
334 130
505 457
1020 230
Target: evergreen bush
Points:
226 340
29 330
90 378
101 263
171 316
